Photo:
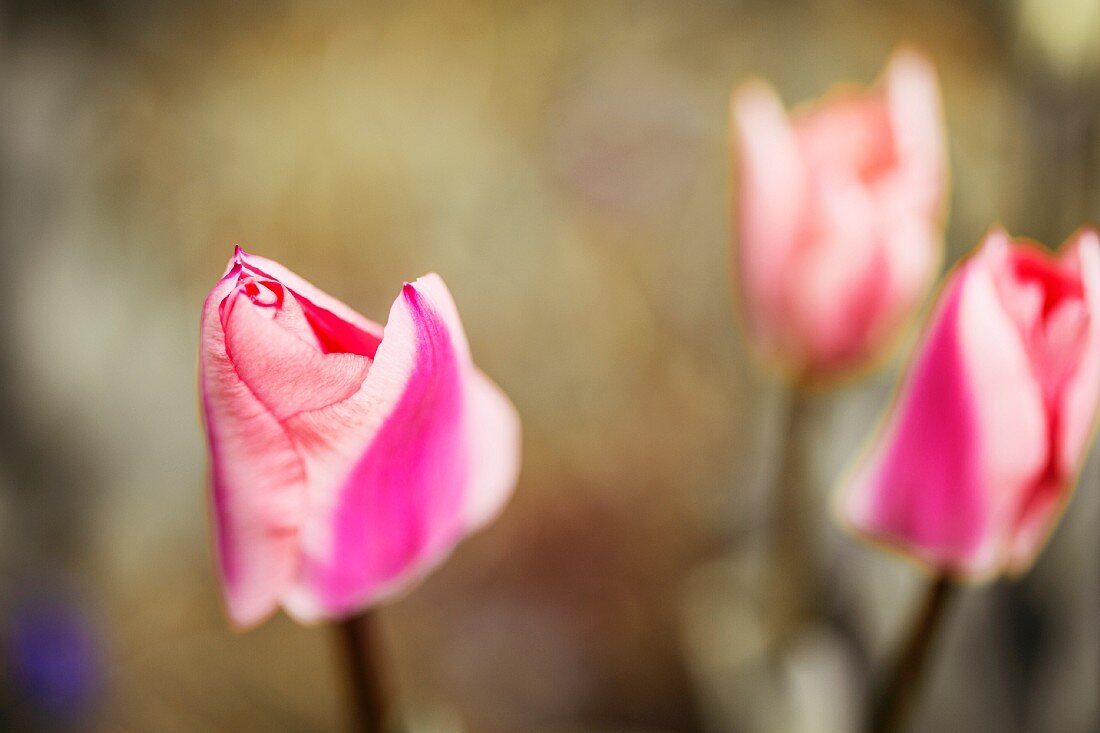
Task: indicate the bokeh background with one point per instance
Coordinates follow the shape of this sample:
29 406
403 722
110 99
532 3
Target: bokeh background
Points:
564 165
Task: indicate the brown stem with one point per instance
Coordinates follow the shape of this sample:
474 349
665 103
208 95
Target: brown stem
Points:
357 635
893 703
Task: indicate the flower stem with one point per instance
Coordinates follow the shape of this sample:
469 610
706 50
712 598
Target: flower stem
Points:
359 638
893 703
793 573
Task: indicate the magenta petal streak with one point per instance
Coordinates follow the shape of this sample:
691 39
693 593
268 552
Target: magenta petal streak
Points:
411 479
928 480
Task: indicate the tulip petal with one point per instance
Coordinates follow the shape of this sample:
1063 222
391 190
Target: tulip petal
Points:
1014 431
494 423
404 503
1076 416
1082 390
772 201
491 421
841 279
285 373
258 481
311 293
916 119
409 483
923 490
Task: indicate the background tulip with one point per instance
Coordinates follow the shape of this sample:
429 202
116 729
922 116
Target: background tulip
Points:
992 422
838 213
347 459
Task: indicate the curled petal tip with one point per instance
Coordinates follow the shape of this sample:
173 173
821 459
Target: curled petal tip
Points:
909 58
996 242
1088 238
749 89
426 278
235 261
753 99
910 71
428 286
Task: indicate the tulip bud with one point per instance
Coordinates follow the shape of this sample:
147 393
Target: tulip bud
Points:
992 422
839 216
346 459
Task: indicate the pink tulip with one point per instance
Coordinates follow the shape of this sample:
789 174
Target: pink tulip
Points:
839 216
992 423
347 459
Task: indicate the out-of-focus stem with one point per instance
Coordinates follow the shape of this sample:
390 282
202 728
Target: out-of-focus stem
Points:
357 636
792 576
893 703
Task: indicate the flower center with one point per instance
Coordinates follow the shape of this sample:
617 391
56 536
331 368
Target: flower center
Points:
1046 300
852 138
264 293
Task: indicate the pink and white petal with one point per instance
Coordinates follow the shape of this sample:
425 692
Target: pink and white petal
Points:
284 372
1080 395
913 248
493 428
1034 525
1008 399
771 207
307 290
494 435
401 506
924 488
257 482
916 117
836 287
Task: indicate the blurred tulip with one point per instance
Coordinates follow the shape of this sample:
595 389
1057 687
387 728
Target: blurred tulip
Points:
347 460
993 420
839 215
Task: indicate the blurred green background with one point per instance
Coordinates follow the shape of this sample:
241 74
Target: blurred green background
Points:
564 166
